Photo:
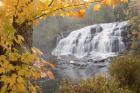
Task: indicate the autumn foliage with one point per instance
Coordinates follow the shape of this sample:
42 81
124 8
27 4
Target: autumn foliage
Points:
18 69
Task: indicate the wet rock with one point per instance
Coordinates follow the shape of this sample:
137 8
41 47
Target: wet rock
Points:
101 66
96 29
99 29
90 60
115 46
115 29
93 30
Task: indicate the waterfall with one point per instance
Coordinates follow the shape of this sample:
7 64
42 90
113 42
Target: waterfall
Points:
88 51
100 39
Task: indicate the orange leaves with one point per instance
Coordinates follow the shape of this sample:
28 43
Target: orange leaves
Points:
86 5
113 3
51 65
43 70
50 75
36 22
69 14
81 13
96 7
47 74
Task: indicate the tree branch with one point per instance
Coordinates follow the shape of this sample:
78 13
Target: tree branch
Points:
51 3
97 1
16 8
22 7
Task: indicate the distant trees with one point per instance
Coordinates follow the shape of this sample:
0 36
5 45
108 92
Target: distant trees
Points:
134 16
121 12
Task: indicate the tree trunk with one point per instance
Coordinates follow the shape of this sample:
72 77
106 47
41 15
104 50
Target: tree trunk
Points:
26 31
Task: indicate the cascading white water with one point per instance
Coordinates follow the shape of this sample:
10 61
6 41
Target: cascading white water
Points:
88 51
99 39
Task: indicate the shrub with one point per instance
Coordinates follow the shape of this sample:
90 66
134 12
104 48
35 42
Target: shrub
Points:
98 84
126 70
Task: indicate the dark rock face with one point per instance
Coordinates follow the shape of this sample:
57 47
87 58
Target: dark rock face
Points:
115 45
61 36
93 30
99 29
96 29
116 29
126 36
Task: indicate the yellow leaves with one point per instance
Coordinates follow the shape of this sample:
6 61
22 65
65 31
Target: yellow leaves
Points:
107 2
11 80
29 11
2 70
21 87
20 80
86 5
2 59
113 3
28 58
97 7
3 89
36 75
14 56
16 68
69 14
125 1
24 72
19 39
10 67
33 89
43 1
21 72
5 65
36 51
16 76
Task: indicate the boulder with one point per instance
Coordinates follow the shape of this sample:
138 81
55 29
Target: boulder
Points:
96 29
